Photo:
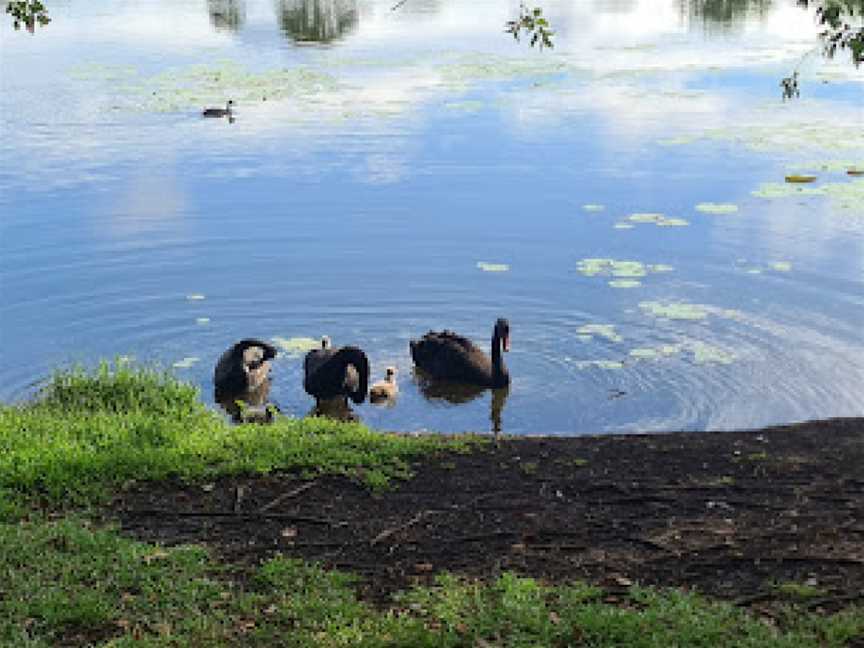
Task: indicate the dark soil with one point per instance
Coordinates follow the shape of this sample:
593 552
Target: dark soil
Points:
731 514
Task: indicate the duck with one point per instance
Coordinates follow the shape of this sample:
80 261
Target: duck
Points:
385 390
336 373
445 355
219 112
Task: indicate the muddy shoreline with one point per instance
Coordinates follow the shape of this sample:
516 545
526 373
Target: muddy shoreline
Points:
753 517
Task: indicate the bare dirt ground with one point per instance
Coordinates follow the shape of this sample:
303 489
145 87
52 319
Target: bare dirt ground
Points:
731 514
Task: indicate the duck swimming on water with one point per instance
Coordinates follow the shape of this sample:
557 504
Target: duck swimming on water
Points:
219 112
384 391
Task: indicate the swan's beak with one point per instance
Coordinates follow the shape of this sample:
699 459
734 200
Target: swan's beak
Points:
506 343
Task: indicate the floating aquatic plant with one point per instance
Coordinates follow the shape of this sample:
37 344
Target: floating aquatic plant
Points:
661 220
296 346
626 274
707 354
674 310
600 364
603 330
186 362
493 267
717 208
625 283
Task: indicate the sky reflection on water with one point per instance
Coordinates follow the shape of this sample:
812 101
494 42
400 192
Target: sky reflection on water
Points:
357 199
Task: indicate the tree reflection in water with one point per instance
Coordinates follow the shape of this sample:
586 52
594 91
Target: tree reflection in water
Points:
318 21
227 15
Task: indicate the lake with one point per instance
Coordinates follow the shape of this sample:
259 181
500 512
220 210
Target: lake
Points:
620 198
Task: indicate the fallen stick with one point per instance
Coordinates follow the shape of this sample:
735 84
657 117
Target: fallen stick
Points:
288 495
231 514
386 533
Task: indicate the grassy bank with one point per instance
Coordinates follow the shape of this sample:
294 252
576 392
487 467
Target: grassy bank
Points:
92 432
65 580
70 584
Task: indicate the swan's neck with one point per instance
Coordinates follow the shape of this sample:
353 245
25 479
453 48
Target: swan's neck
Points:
498 370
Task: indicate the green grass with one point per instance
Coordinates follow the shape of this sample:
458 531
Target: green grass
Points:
64 582
93 432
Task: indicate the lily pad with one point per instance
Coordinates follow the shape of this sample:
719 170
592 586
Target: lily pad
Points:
661 220
644 353
707 354
603 330
186 362
493 267
675 310
625 283
600 364
296 345
717 208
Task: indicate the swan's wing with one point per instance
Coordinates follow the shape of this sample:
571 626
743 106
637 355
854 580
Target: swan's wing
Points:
315 359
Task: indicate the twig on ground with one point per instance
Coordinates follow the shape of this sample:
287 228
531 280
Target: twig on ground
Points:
284 496
237 516
386 533
239 492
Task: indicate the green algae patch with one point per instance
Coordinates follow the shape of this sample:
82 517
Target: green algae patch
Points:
492 267
716 208
644 353
674 310
601 330
186 362
658 219
624 274
625 283
296 346
599 364
707 354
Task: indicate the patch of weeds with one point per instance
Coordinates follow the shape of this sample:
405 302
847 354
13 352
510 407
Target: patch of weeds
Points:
798 591
529 467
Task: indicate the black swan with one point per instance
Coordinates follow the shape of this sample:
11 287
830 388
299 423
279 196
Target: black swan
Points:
243 374
447 356
384 390
219 112
244 366
336 373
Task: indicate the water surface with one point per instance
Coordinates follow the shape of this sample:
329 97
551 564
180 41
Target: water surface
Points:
379 156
